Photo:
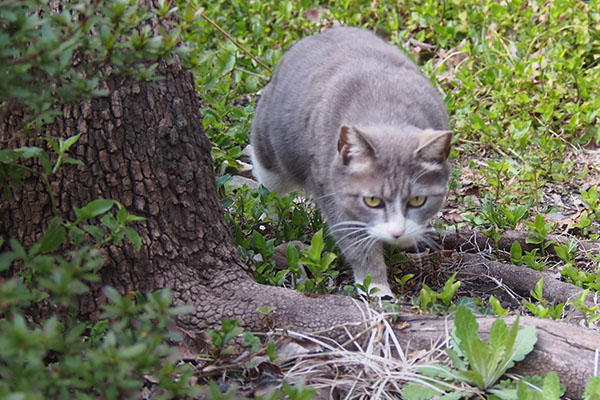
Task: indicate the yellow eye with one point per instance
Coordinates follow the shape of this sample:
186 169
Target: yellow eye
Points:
417 201
373 202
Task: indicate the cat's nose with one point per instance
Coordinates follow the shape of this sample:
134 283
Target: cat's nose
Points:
396 233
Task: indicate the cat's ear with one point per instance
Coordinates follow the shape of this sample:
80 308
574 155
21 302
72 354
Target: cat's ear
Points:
353 143
434 145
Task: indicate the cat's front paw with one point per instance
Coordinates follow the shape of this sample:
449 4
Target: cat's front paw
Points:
382 291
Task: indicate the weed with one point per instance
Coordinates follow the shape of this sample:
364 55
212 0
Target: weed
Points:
319 264
477 363
591 314
432 301
540 230
542 310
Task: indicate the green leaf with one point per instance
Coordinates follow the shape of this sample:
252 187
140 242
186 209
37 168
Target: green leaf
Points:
292 256
6 259
93 209
53 144
29 152
77 235
272 350
523 391
95 231
465 325
516 252
415 391
250 340
46 163
73 161
110 222
18 249
520 342
497 307
592 390
54 236
8 156
66 144
134 237
551 387
259 240
538 293
316 245
327 259
133 351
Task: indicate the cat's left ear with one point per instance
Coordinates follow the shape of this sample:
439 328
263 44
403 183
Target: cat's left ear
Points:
352 143
434 145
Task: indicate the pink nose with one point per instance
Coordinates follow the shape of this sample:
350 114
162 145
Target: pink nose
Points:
397 233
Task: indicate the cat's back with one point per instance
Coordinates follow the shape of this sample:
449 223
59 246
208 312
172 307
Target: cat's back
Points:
341 76
323 56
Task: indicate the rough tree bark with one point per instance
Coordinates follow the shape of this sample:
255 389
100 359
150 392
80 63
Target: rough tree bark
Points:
144 146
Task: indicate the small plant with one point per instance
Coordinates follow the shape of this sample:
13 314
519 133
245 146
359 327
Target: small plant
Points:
221 338
497 174
584 224
541 309
590 196
530 258
540 230
319 264
365 287
403 280
591 314
483 364
497 307
566 252
478 364
430 299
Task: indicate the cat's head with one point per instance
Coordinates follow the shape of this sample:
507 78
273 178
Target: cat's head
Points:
391 180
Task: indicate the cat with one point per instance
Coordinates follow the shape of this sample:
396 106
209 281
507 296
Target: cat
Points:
351 119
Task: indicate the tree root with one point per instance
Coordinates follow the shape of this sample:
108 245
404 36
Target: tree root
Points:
470 240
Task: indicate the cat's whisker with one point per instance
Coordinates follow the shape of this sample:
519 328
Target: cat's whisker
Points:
324 196
348 236
352 226
359 234
370 245
345 229
357 223
359 242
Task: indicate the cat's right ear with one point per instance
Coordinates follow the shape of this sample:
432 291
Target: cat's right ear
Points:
434 145
353 143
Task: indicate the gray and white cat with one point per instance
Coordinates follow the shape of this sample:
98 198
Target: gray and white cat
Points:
351 119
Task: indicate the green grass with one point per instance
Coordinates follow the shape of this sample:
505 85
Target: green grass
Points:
520 83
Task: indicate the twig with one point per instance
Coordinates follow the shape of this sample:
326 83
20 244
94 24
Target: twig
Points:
228 36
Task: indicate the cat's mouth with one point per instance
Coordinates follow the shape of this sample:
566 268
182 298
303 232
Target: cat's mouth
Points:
403 239
403 242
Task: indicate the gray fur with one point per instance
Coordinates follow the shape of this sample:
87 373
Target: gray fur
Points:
348 116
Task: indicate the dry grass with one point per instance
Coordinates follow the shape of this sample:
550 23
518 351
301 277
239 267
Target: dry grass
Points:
378 369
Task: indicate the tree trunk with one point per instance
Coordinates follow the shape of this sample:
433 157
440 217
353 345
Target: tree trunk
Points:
144 146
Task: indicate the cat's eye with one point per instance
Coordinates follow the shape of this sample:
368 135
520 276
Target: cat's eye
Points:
373 202
417 201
